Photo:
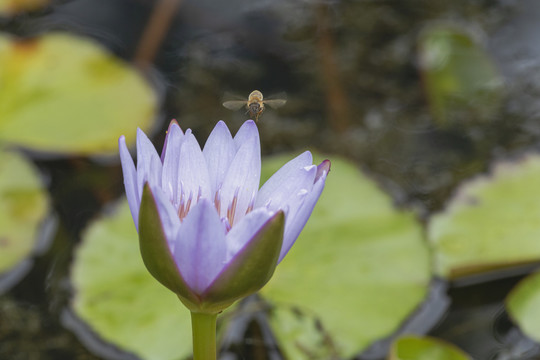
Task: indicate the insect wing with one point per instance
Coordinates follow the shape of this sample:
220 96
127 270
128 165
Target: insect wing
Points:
275 103
276 100
234 104
233 101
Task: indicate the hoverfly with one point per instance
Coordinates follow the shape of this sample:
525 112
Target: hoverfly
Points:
254 104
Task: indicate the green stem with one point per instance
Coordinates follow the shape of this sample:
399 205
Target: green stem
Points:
204 336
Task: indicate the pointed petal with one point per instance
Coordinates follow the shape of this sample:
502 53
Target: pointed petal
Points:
245 230
130 180
283 186
242 179
171 156
291 195
164 150
193 178
168 215
155 250
200 247
148 163
219 152
247 131
323 169
296 223
251 268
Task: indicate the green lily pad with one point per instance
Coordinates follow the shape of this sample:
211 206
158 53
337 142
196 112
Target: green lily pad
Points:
117 297
12 7
425 348
66 94
492 222
359 269
460 79
523 305
24 204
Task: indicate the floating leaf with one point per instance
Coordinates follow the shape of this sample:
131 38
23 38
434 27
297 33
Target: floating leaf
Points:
12 7
62 93
23 207
460 79
120 300
425 348
492 222
523 305
359 268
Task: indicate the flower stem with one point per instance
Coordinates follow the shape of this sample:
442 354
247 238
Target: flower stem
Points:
204 336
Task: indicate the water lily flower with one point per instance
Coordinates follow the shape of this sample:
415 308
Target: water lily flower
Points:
206 230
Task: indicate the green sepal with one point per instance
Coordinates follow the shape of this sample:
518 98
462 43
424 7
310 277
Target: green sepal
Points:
155 250
250 270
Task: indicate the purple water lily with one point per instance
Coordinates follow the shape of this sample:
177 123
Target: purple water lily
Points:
206 230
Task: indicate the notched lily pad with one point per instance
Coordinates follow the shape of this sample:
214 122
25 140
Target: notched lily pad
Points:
523 305
425 348
359 268
13 7
492 222
117 297
61 93
24 205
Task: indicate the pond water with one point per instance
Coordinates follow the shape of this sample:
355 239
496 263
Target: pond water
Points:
422 95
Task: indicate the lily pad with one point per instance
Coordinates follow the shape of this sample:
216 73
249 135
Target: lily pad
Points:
117 297
24 204
460 79
523 305
492 222
359 268
61 93
12 7
425 348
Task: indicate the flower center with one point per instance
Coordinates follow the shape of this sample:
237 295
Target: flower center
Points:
185 203
228 215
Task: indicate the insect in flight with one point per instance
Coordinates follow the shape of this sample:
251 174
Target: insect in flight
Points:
255 104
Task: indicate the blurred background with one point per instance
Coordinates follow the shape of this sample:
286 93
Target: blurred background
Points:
422 96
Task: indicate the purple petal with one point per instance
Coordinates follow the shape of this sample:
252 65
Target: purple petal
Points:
245 230
170 222
291 195
295 224
219 152
323 169
242 180
164 150
130 180
149 166
247 131
287 181
193 178
200 246
170 156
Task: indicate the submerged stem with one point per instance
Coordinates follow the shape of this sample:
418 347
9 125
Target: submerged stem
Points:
155 31
204 336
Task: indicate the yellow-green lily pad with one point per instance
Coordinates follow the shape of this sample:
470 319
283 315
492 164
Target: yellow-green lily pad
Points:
24 204
117 297
62 93
492 222
523 305
359 269
13 7
425 348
